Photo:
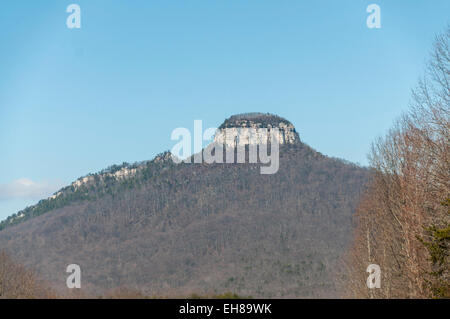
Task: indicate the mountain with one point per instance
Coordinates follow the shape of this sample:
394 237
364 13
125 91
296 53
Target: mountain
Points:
171 229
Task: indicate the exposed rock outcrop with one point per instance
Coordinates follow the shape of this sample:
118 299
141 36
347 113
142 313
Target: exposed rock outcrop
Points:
255 128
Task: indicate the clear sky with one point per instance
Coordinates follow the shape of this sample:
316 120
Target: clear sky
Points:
74 101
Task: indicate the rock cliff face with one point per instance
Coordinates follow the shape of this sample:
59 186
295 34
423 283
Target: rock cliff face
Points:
120 174
171 229
126 171
111 177
255 128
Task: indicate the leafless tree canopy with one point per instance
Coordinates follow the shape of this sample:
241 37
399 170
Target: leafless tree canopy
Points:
403 219
18 282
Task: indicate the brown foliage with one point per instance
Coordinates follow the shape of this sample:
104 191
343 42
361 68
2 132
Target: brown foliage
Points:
204 229
410 182
17 282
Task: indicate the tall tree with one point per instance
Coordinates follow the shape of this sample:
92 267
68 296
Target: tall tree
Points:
403 219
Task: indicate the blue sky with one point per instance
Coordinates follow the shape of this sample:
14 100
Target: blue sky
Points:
74 101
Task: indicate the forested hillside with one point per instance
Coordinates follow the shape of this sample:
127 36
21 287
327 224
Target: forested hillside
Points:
174 230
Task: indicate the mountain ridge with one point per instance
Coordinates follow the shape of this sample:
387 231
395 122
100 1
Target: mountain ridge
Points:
177 229
120 173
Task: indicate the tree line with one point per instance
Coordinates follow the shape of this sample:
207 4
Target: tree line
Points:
403 220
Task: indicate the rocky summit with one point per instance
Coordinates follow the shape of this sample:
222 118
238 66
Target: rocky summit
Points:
255 128
169 229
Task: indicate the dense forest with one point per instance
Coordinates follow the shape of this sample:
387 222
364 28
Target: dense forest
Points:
263 120
226 231
100 184
203 229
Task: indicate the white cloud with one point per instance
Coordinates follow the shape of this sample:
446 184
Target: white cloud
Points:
27 189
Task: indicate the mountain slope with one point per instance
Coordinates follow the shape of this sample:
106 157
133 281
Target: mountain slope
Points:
172 230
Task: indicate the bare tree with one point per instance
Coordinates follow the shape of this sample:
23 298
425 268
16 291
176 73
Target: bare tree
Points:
403 217
18 282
